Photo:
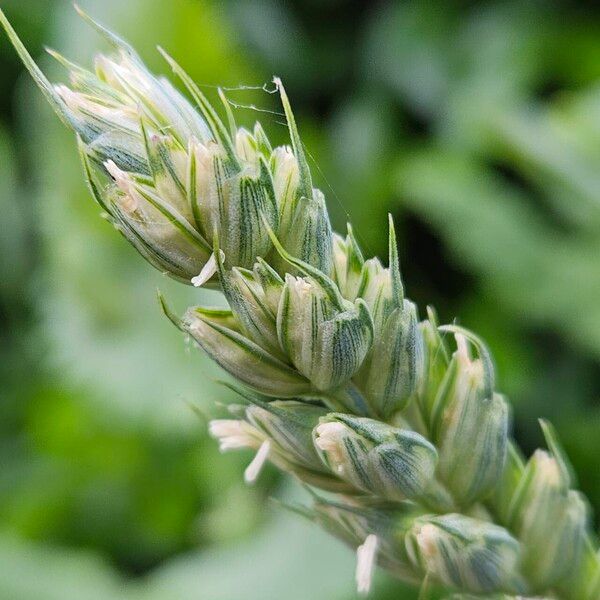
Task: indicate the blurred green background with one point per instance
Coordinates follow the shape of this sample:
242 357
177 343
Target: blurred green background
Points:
477 124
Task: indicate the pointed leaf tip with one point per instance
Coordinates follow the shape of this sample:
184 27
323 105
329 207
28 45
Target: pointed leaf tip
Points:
167 311
113 39
305 176
555 447
228 112
62 60
394 261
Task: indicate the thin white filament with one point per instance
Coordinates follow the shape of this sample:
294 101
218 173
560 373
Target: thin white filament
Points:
255 467
208 270
366 555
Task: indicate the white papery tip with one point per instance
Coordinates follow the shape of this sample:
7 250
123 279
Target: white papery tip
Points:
117 174
209 269
328 440
427 538
255 467
549 469
366 556
123 180
462 346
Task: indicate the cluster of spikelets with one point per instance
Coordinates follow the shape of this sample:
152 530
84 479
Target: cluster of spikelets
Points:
392 422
